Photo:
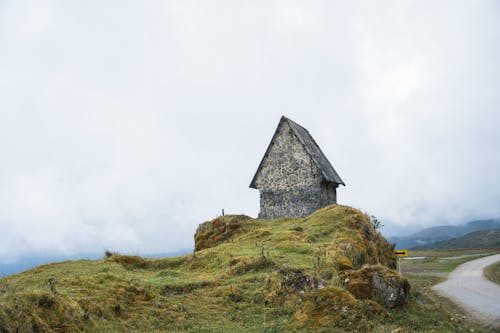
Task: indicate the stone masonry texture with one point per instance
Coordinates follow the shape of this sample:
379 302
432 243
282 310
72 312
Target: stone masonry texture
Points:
289 182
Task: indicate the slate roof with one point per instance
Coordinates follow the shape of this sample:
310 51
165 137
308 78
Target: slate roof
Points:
328 172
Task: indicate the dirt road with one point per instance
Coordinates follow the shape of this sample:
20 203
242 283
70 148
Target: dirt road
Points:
467 286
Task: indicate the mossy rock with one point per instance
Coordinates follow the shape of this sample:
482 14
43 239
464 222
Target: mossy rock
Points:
373 308
330 306
40 311
218 230
378 283
360 288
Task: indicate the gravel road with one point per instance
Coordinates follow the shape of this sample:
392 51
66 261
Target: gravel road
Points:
467 286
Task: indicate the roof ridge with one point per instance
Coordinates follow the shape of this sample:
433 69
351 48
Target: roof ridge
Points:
319 158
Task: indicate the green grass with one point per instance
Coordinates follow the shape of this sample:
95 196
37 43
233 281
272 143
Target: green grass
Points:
492 272
235 283
440 262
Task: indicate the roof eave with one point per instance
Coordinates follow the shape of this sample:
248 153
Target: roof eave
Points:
333 181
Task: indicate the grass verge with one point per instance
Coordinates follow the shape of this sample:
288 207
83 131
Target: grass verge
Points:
492 272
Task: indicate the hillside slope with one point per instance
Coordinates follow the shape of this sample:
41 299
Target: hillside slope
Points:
473 240
331 271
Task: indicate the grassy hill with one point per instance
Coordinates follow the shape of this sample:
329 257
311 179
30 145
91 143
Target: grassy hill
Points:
473 240
440 233
331 272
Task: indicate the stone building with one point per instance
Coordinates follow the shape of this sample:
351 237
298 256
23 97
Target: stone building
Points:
294 177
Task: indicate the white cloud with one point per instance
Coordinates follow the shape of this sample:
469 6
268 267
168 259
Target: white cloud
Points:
125 124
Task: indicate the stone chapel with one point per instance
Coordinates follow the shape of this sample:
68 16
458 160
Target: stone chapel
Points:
294 177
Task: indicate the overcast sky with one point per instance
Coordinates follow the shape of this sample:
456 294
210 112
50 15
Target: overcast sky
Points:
125 124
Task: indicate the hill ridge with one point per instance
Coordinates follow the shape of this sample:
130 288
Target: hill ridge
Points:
472 240
444 232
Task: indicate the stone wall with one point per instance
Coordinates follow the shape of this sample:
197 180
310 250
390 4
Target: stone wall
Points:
289 181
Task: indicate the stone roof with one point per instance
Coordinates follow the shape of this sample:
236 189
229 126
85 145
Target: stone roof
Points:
328 172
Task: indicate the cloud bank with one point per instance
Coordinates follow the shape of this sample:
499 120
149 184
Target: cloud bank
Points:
125 124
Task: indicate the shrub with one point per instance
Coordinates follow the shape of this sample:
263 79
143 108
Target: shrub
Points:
129 262
241 265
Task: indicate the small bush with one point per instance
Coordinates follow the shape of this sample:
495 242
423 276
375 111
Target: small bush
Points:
241 265
43 299
184 288
129 262
342 263
292 279
297 228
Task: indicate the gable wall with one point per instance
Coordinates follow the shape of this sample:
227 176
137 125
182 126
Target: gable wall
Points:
287 164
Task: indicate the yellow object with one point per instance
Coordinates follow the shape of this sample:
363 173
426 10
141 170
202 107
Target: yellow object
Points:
401 253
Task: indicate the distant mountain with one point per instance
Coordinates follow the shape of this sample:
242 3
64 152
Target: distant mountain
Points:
29 262
440 233
473 240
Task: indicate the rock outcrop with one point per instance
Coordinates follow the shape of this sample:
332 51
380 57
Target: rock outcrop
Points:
377 283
